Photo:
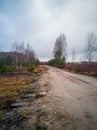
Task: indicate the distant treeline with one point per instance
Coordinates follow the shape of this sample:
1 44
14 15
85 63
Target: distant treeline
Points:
20 56
60 51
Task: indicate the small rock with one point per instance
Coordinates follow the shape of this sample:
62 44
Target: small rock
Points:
40 94
18 104
43 93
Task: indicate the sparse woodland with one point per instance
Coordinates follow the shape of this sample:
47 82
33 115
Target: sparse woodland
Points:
20 56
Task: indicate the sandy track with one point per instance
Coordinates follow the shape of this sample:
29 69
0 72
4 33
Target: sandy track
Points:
69 103
75 94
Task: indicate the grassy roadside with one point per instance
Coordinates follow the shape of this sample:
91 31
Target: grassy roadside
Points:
12 86
85 69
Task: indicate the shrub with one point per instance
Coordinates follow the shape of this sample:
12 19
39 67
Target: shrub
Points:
11 69
37 62
9 61
6 65
3 69
57 62
31 67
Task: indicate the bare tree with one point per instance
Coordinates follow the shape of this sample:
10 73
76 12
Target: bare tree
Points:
15 49
23 56
22 53
29 54
60 52
73 55
60 48
91 47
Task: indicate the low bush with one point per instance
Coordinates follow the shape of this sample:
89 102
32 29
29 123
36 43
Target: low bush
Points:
31 67
57 62
11 69
3 69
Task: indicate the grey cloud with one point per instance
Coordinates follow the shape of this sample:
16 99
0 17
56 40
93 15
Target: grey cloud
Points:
39 22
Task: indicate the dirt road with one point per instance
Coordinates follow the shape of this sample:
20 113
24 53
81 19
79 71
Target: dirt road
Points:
68 102
71 103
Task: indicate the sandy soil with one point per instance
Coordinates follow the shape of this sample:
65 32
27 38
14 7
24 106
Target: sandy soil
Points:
71 103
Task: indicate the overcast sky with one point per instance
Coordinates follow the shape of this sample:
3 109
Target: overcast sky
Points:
39 22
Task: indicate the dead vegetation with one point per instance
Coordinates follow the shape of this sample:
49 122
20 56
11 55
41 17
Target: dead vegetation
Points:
16 103
12 86
83 68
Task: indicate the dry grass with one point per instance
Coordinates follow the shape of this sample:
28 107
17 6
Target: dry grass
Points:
11 87
40 68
